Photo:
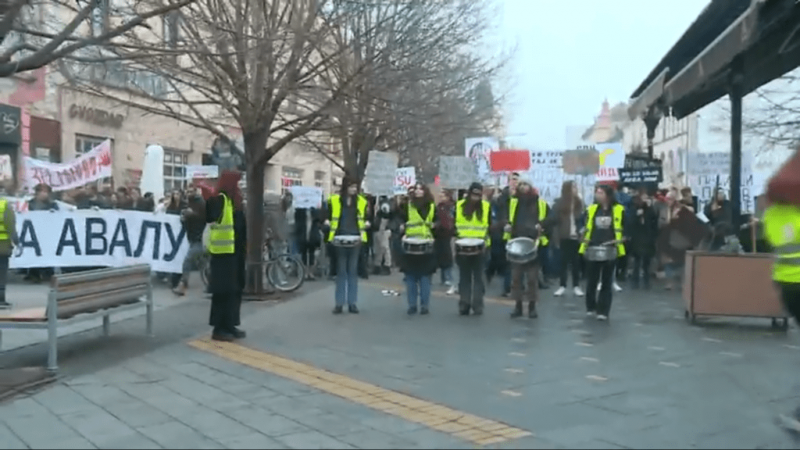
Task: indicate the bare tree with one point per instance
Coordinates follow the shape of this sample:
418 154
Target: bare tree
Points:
420 85
34 34
261 66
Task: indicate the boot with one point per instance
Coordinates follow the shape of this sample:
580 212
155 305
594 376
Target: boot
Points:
532 310
517 312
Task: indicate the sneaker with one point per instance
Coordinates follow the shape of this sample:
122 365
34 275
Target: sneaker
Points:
452 291
602 317
577 291
560 291
599 286
337 309
412 310
617 287
424 311
352 309
448 283
791 422
590 313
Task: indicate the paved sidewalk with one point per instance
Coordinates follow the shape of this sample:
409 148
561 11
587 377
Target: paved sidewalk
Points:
306 379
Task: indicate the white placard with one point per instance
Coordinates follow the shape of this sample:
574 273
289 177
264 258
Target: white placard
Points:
91 166
89 238
380 173
404 178
478 150
456 172
6 171
306 196
202 172
612 158
704 168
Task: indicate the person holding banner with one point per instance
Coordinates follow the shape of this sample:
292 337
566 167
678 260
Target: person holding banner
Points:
418 262
228 248
472 222
604 228
348 224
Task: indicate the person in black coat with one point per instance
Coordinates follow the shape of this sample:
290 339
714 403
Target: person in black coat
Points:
642 230
227 280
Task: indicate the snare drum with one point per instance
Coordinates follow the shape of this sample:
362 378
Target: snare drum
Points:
522 250
417 246
601 253
346 241
469 246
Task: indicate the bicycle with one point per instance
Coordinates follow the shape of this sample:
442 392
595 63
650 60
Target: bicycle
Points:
279 270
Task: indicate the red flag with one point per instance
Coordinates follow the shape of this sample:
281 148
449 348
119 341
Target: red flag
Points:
510 160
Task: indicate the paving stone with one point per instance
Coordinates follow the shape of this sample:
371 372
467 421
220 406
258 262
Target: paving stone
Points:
9 440
266 422
370 438
312 440
255 441
213 424
334 425
62 399
175 435
45 430
97 425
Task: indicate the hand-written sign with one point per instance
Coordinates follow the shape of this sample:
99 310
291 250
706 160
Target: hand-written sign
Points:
89 167
456 172
546 159
636 176
581 162
306 196
380 173
404 178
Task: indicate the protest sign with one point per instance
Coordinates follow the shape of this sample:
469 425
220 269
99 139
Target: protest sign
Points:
478 150
6 170
91 166
611 158
581 162
306 196
201 172
456 172
89 238
404 178
640 176
380 173
706 168
547 159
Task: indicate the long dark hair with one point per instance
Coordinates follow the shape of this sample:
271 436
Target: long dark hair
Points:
469 208
570 203
609 191
347 181
422 204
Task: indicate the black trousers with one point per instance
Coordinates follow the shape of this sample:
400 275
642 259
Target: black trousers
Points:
471 287
570 260
599 272
790 294
4 262
306 252
225 311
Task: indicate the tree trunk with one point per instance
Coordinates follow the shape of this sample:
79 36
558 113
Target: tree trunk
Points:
254 145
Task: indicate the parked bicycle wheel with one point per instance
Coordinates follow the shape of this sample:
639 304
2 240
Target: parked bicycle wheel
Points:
286 272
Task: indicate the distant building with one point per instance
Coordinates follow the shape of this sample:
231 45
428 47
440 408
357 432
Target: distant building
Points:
608 125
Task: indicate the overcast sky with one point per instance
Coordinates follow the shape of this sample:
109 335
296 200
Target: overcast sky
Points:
572 54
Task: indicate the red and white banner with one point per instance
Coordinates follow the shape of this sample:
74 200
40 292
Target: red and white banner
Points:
91 166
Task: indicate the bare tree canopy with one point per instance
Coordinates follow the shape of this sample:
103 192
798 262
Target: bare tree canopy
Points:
34 33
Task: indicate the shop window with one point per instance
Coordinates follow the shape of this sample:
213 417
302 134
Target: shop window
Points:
290 177
319 179
175 162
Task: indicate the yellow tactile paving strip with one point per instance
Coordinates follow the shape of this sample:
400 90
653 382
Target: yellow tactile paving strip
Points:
459 424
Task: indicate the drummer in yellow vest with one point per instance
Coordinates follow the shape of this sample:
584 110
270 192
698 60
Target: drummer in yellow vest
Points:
526 215
473 217
604 224
782 231
8 240
419 221
348 213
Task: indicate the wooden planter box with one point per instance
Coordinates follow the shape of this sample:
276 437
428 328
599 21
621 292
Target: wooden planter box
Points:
737 285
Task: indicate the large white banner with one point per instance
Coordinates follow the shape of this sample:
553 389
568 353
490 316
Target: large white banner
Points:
90 238
91 166
706 168
478 150
203 172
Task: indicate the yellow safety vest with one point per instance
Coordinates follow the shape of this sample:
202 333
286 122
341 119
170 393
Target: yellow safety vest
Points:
617 213
475 228
512 215
336 213
3 231
221 236
416 227
782 230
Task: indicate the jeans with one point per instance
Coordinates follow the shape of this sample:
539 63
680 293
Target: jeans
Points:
418 286
192 260
347 275
446 275
641 269
599 272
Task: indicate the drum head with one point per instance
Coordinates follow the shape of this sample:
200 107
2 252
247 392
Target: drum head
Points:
469 242
521 246
414 241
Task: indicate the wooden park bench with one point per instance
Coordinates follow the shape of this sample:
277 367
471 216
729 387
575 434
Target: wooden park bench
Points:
82 296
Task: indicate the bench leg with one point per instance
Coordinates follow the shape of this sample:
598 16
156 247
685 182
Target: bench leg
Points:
52 346
150 317
106 325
